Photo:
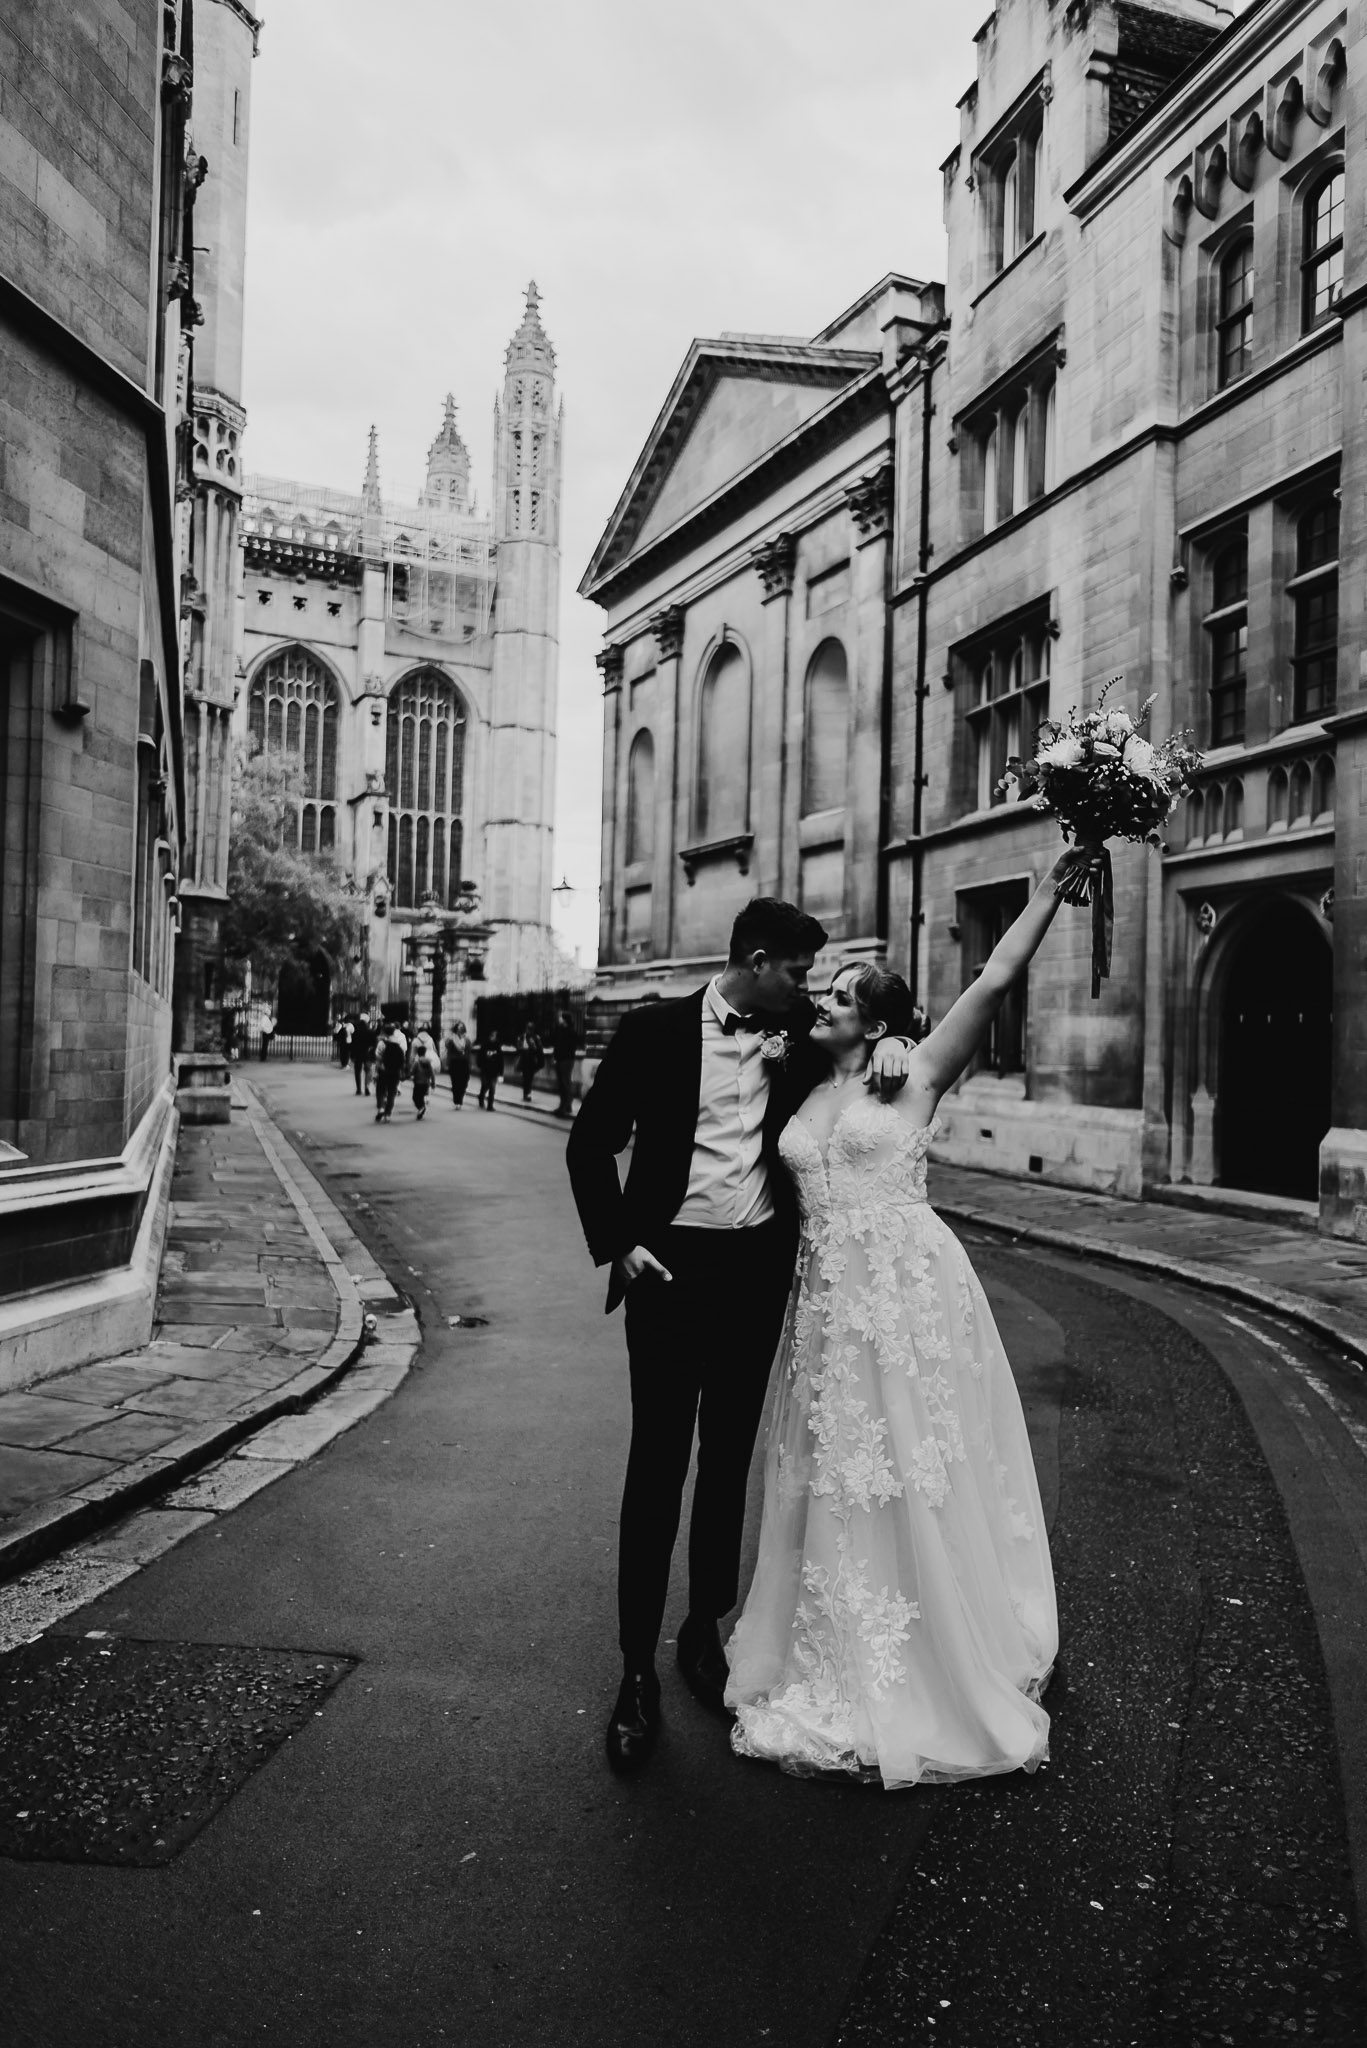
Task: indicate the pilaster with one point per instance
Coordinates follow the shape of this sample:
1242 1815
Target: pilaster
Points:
609 660
870 503
774 562
668 629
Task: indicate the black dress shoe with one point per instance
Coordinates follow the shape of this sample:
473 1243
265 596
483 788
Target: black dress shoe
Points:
635 1724
703 1664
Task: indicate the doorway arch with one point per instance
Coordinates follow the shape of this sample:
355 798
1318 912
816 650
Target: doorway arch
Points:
1275 1026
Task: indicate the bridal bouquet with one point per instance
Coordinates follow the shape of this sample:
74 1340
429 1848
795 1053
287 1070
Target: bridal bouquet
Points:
1102 779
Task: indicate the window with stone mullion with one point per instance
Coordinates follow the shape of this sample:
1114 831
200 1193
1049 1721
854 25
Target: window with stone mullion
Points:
1322 263
1235 321
1227 627
1011 693
1315 593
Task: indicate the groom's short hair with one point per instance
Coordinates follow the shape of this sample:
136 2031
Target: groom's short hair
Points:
769 925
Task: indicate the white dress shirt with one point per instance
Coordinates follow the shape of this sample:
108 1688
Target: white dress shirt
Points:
728 1183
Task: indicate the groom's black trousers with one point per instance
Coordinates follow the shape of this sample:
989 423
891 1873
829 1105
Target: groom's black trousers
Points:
700 1348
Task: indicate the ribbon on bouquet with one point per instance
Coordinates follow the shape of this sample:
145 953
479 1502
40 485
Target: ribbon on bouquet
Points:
1092 882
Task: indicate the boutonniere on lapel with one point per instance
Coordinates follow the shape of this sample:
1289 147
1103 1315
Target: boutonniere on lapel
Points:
773 1048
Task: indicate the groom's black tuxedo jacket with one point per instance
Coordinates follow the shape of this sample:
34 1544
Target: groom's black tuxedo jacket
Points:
648 1085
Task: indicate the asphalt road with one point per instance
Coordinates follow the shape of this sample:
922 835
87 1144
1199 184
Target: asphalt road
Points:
440 1855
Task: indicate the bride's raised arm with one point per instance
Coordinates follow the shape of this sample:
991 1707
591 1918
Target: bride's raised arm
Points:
943 1054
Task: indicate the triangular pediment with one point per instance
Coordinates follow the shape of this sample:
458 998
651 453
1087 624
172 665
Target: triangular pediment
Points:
735 402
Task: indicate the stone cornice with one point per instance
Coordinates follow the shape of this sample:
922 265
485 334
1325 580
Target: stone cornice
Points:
1186 102
247 18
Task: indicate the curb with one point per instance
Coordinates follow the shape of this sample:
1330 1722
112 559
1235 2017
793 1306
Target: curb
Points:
53 1526
1296 1308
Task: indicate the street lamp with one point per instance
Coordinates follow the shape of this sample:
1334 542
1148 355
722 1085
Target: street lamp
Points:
446 939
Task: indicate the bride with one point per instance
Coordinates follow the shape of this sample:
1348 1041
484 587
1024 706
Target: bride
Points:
901 1624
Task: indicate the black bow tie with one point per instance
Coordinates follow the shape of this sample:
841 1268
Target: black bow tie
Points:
731 1023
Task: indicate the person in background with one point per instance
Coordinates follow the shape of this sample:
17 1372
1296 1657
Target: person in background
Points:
341 1042
363 1053
489 1060
564 1052
426 1067
267 1034
424 1043
458 1061
392 1054
530 1055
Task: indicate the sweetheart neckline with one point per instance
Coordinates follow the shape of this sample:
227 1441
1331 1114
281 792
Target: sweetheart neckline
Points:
912 1130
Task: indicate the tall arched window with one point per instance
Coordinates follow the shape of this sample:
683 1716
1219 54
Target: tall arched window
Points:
1322 257
425 776
292 713
641 800
826 730
1234 321
722 806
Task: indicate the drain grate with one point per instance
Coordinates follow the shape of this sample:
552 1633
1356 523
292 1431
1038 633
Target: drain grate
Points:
120 1751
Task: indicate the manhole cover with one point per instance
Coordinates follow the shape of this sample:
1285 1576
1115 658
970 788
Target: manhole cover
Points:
119 1751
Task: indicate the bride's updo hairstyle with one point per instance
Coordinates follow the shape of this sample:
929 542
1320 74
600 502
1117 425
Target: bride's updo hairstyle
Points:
882 997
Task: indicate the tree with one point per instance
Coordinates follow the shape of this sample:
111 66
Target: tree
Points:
283 906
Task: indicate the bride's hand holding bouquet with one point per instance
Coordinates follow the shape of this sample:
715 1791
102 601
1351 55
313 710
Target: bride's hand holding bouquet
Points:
1097 773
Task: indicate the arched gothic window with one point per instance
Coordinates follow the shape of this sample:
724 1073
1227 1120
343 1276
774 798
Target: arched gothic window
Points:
425 777
722 806
292 710
641 800
826 735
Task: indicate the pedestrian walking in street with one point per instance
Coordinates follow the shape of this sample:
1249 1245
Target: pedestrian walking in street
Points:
564 1053
267 1034
489 1060
457 1051
341 1042
391 1057
425 1070
363 1053
530 1055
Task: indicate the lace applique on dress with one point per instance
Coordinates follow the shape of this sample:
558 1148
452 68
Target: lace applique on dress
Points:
888 1331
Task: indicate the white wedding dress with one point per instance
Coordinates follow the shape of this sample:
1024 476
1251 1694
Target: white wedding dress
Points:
901 1623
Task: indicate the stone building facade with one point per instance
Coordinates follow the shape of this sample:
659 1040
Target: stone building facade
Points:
1142 459
98 176
1132 444
404 656
226 39
747 670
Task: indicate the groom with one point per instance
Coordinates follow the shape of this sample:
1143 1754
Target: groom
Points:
701 1245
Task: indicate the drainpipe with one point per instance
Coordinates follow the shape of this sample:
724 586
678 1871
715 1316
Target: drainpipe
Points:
922 687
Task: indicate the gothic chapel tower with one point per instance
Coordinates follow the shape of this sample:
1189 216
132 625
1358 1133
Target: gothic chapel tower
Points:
520 769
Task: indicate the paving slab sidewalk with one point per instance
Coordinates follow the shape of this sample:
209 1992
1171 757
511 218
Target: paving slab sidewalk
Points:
1319 1282
262 1306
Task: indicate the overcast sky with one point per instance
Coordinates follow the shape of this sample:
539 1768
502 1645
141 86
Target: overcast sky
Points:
661 171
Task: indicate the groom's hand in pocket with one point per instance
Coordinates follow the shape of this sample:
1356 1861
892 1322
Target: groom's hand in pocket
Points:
638 1260
890 1067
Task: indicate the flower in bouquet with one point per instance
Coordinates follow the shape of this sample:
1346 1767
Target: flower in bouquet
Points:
1100 775
1103 778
